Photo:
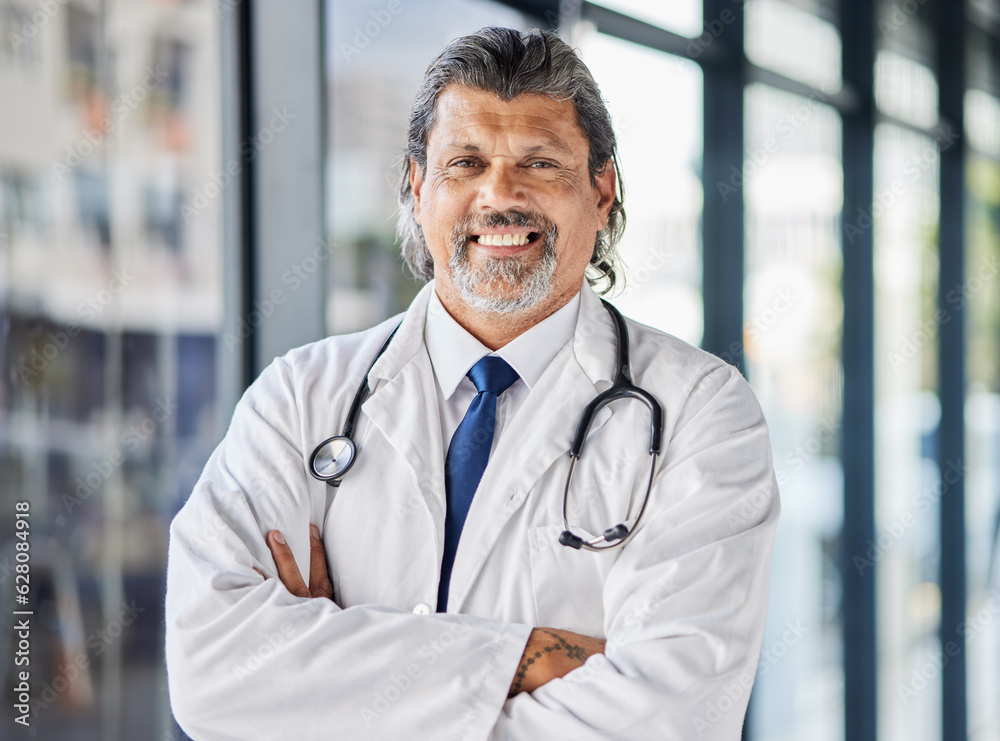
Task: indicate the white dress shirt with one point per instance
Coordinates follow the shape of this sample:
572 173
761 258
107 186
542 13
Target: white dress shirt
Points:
453 352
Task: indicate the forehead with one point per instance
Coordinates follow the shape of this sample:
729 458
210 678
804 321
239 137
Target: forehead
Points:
469 118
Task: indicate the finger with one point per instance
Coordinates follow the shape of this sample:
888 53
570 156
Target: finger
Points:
319 577
288 570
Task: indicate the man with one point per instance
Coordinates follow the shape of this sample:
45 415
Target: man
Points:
509 195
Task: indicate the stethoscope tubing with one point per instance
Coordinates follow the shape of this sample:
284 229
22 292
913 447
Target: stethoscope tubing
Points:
611 538
622 388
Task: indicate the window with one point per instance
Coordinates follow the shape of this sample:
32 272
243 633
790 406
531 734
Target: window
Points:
659 143
112 304
792 183
982 403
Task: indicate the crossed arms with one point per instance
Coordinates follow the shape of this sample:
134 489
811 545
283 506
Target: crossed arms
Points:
549 654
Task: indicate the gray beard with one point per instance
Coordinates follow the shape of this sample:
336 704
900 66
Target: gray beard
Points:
503 285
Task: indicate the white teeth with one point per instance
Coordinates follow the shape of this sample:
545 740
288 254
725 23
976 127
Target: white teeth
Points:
498 240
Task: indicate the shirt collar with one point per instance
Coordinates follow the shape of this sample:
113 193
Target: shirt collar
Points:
453 351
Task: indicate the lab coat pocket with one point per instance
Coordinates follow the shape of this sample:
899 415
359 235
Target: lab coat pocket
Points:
568 584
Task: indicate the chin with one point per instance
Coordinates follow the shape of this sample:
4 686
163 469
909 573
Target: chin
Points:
505 285
503 301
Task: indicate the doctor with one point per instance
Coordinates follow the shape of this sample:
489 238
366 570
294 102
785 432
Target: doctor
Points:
427 596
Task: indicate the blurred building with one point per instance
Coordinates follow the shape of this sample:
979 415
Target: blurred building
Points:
112 305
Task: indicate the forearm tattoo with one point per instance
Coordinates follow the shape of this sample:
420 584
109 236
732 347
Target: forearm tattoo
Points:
558 643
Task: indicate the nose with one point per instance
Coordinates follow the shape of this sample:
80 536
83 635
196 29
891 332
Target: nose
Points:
502 188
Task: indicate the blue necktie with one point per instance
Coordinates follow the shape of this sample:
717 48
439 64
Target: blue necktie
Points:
467 456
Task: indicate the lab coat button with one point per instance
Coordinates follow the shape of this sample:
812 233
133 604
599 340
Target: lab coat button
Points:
422 609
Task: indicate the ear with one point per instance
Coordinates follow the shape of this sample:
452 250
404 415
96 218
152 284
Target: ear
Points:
604 188
416 182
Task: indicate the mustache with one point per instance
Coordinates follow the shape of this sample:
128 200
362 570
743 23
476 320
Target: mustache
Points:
537 222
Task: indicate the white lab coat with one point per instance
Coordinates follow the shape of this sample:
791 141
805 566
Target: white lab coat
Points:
682 605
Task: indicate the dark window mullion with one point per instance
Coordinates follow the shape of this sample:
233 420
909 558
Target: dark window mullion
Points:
857 32
844 100
722 220
950 32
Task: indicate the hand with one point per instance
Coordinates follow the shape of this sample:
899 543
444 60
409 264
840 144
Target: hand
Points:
288 571
551 654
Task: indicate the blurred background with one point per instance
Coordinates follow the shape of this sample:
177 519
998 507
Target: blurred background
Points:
188 189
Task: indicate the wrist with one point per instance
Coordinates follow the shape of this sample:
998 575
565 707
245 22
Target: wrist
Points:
551 654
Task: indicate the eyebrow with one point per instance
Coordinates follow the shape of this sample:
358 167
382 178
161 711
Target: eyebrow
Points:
549 144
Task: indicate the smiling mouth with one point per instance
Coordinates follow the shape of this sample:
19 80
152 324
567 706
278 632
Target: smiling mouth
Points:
505 240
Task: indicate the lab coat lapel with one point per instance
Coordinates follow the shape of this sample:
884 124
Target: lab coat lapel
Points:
403 406
540 432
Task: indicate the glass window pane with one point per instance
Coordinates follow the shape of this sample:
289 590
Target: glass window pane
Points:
683 17
111 301
906 89
982 53
982 439
373 71
982 122
793 181
794 43
907 413
659 142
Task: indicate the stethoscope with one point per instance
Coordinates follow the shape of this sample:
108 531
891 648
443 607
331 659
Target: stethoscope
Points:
334 456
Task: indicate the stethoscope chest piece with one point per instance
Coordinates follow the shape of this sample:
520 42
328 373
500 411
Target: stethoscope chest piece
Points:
332 459
334 456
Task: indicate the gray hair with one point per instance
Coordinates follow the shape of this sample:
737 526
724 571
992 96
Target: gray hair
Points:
510 63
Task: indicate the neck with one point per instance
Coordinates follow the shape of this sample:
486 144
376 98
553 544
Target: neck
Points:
496 330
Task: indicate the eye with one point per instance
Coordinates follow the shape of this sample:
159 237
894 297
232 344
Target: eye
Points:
465 163
541 164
